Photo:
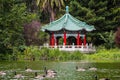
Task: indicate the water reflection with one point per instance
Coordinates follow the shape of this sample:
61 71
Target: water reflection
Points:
65 70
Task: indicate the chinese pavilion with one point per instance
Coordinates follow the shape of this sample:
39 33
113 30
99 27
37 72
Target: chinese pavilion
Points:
70 29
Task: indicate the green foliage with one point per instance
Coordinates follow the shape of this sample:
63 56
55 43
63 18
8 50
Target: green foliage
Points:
103 14
12 18
30 52
109 39
61 41
44 37
51 54
36 53
103 54
50 7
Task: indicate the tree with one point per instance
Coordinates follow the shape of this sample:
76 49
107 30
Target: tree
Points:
117 37
103 14
50 6
109 39
31 5
31 31
12 18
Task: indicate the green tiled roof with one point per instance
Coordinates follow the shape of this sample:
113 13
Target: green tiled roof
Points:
68 22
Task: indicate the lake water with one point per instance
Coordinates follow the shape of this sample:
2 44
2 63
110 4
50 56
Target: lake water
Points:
65 70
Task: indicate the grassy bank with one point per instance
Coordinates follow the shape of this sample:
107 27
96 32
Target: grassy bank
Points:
34 53
104 55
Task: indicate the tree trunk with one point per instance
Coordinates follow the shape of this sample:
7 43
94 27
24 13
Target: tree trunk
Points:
52 16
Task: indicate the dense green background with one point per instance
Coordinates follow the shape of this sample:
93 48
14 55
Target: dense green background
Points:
21 20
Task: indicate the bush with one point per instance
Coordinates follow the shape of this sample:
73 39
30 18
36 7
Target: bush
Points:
35 53
105 55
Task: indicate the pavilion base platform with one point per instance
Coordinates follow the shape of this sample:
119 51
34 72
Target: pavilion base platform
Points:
71 48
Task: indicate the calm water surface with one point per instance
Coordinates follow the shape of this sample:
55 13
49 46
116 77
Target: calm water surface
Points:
65 70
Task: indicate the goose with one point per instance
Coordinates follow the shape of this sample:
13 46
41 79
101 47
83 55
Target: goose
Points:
92 68
2 73
80 69
96 78
49 73
40 77
28 69
18 76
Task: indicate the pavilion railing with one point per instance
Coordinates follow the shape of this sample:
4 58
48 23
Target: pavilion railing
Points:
83 48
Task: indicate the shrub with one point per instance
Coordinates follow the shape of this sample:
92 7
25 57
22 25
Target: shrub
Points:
108 38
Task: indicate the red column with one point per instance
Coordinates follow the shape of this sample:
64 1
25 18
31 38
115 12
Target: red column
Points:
64 38
78 39
84 40
52 41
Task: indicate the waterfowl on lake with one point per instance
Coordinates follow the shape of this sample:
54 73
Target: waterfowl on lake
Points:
80 69
49 70
28 69
92 68
2 73
50 73
18 76
40 77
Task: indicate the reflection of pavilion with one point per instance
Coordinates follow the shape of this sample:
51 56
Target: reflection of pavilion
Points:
71 30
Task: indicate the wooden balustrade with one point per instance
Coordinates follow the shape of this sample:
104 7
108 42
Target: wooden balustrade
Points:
82 48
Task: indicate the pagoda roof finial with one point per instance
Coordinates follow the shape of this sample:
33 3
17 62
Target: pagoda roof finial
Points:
68 22
67 9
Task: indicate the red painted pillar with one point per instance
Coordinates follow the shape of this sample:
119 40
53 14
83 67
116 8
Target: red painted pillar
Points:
78 39
84 40
52 41
64 38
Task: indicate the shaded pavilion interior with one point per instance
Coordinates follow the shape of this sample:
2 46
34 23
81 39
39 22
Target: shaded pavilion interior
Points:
71 30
